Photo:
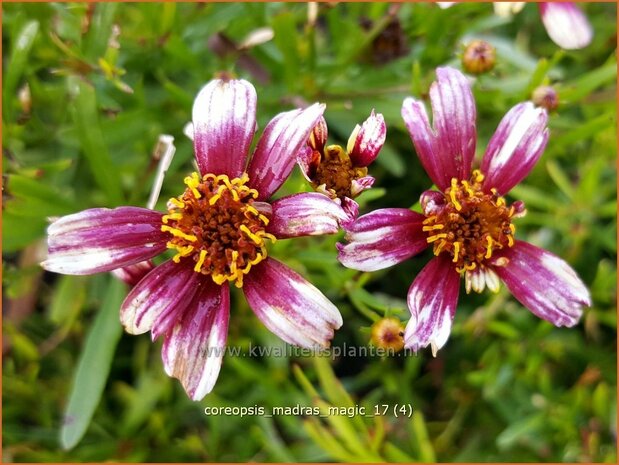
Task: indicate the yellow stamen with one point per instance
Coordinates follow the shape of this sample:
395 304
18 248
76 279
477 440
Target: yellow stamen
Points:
433 227
182 251
200 261
467 188
219 278
456 251
436 237
213 200
193 182
439 247
257 239
179 233
178 203
488 247
452 194
171 216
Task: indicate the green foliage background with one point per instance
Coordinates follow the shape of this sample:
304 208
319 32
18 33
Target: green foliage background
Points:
506 387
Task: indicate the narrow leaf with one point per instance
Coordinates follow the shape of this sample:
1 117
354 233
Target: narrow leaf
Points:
93 367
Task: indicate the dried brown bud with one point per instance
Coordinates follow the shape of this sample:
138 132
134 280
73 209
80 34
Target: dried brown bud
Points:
546 97
479 57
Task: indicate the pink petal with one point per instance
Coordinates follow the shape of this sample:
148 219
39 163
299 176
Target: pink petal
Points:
276 152
352 211
160 298
382 238
133 274
101 239
432 300
447 151
357 186
194 349
305 214
566 24
224 122
543 283
515 147
304 160
289 306
367 140
432 202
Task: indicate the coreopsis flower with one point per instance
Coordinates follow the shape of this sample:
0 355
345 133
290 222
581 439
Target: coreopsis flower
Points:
565 23
219 229
342 174
467 222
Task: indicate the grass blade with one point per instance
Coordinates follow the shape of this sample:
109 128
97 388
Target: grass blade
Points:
93 367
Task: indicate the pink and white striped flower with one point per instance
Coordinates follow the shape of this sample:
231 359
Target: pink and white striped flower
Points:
219 229
467 222
343 174
565 23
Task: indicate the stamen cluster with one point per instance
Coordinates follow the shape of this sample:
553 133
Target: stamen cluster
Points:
471 225
334 169
215 223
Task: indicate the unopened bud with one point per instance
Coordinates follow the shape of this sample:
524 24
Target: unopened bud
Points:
479 57
546 97
388 333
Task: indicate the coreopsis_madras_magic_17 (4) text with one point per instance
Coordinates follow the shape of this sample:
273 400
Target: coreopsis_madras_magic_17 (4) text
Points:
467 222
220 228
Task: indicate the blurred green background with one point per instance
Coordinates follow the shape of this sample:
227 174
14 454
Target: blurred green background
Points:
87 90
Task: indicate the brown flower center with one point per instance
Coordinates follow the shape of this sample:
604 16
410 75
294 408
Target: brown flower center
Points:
335 170
216 223
471 225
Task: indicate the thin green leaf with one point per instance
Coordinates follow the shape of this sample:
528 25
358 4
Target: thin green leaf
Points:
16 65
93 367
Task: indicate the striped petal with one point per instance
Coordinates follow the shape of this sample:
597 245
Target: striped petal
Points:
305 214
515 147
133 274
432 300
159 299
100 239
276 152
566 24
447 150
366 140
194 349
543 283
224 123
289 306
382 238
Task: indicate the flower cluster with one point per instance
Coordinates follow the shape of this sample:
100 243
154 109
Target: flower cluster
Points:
219 229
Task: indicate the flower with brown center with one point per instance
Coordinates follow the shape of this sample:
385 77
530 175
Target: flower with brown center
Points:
467 222
343 174
219 229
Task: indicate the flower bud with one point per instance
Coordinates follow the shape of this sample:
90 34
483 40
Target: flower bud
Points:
388 333
546 97
479 57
